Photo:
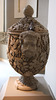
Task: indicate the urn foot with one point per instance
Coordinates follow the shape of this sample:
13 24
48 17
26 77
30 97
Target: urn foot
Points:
26 83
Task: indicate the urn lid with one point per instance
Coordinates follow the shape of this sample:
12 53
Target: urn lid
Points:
27 23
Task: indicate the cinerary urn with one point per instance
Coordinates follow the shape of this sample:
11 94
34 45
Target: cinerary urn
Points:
28 49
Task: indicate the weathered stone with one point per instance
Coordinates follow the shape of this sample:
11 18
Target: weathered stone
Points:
28 46
28 11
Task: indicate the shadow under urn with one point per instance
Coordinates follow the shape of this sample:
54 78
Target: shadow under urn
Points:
28 49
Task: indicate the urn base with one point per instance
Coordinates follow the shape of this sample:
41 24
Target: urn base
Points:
26 83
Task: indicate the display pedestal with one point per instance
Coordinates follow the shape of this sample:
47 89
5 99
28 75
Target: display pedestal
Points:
42 93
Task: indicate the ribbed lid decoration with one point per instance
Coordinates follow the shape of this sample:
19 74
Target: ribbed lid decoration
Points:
28 23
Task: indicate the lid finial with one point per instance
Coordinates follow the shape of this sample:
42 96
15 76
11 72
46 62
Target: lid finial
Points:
28 11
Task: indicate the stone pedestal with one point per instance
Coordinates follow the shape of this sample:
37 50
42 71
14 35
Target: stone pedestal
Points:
42 93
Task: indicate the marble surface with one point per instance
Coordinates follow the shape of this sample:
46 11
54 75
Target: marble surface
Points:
3 38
